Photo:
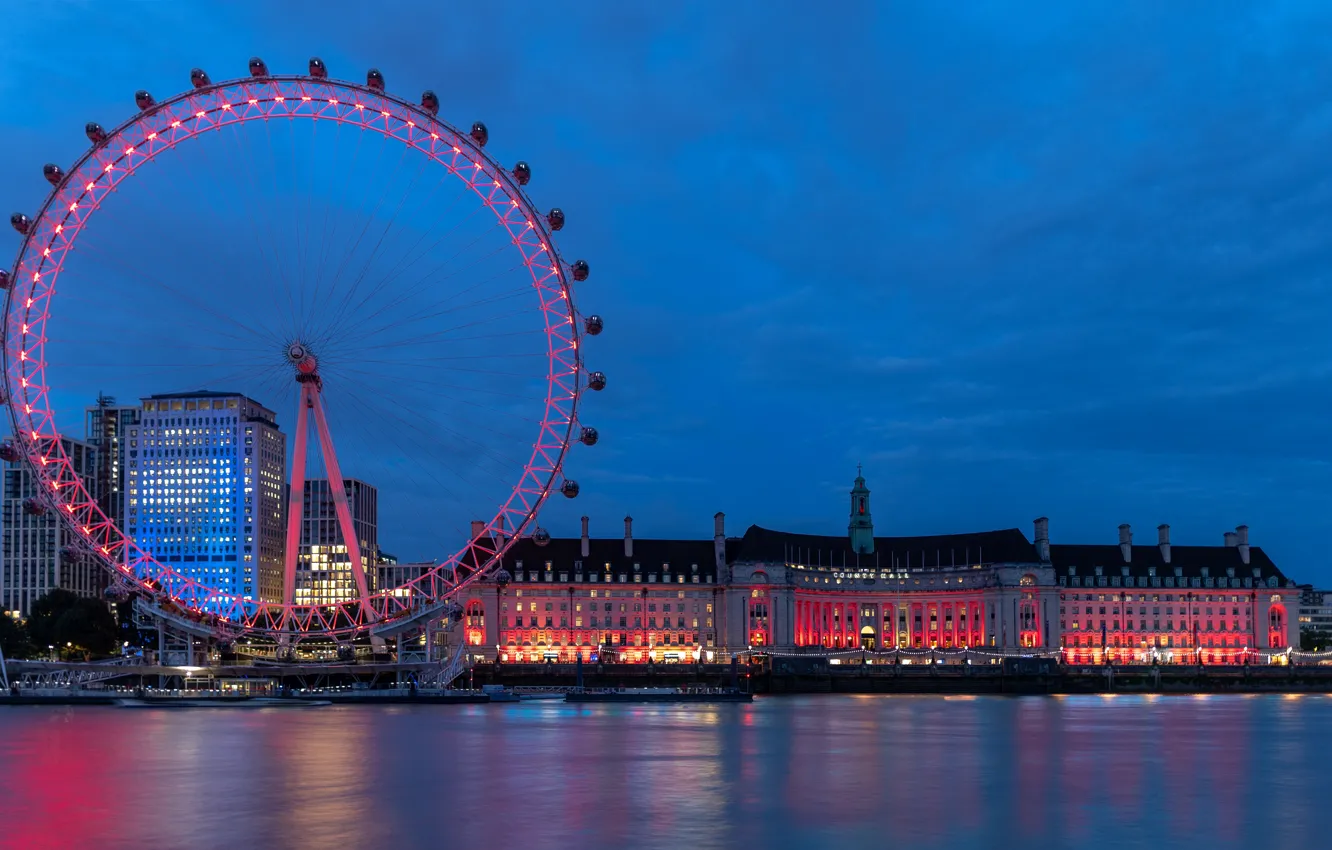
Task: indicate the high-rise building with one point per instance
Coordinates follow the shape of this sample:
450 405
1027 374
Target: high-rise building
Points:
107 427
323 566
40 554
205 477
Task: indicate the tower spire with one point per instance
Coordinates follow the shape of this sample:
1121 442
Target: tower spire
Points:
861 527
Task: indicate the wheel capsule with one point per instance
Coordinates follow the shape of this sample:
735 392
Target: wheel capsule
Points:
20 222
257 67
317 67
480 134
4 280
374 79
53 173
569 488
593 325
589 436
9 452
144 100
199 78
522 172
33 507
579 269
555 218
94 132
541 537
430 102
597 381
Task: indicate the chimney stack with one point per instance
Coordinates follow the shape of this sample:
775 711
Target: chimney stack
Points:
478 529
1231 538
1242 540
1163 540
1126 542
584 549
500 536
628 537
1043 539
719 541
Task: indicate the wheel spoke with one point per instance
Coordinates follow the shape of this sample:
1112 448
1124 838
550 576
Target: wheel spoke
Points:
440 331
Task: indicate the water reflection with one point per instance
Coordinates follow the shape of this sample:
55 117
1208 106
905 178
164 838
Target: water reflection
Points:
806 772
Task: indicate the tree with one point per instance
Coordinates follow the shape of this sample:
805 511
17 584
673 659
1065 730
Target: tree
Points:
14 639
1314 640
88 625
67 621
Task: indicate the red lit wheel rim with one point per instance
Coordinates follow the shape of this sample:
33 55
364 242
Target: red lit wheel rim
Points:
54 231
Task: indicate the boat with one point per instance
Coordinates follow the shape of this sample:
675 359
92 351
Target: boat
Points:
660 695
498 693
220 702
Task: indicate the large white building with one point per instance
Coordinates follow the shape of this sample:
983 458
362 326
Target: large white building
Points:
205 480
788 593
323 565
37 553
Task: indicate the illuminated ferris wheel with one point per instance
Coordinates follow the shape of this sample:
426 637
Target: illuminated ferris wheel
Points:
329 255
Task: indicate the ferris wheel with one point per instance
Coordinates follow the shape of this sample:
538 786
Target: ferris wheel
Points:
379 293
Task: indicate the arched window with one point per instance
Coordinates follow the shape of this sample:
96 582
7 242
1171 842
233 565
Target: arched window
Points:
759 633
1277 636
474 621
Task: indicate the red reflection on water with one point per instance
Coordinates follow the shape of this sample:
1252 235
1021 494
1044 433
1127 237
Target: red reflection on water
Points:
55 774
803 773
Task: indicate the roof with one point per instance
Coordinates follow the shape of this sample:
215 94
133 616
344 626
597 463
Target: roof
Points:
565 554
1007 545
1185 561
196 394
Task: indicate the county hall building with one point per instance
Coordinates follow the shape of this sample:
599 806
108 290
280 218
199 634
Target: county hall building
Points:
991 592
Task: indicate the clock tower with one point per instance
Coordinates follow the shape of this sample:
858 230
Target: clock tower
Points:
861 528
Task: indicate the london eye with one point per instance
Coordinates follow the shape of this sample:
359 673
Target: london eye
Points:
378 291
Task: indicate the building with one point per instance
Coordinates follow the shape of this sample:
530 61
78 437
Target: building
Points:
389 575
205 479
323 565
628 597
1168 602
107 427
1315 618
988 592
39 553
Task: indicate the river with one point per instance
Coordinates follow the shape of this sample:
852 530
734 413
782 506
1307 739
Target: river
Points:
785 772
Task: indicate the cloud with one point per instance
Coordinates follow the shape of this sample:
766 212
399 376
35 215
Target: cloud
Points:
1070 261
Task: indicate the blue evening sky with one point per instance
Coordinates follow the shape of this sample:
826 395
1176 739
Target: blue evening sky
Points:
1019 259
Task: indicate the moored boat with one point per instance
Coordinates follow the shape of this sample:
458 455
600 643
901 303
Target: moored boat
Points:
220 702
659 695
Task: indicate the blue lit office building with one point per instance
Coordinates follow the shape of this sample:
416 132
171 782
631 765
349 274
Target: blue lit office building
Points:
205 476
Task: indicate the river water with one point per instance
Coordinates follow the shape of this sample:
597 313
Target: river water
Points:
785 772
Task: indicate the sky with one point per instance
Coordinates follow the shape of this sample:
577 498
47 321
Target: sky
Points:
1017 259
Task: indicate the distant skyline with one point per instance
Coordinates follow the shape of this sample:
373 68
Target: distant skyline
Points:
1017 259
